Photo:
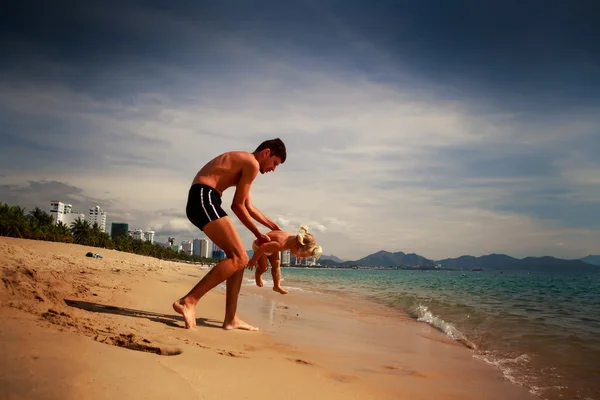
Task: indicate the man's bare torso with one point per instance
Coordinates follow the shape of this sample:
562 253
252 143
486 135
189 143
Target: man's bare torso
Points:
225 170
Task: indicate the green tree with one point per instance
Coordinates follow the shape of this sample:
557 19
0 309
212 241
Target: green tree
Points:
82 232
62 233
13 221
40 224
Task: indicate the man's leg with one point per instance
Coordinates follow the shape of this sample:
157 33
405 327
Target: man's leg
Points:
261 268
232 321
223 234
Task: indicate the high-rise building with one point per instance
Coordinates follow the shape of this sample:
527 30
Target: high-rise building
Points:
137 234
285 257
97 216
58 209
62 212
119 229
196 247
170 241
217 252
205 246
186 246
150 236
69 218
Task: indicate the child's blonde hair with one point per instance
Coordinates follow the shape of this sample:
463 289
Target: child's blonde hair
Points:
307 242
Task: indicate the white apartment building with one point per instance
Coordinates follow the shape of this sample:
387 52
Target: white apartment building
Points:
62 212
150 236
204 249
310 261
285 257
69 218
186 246
98 216
58 209
137 234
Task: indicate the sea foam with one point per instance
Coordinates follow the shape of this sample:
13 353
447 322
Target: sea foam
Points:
423 314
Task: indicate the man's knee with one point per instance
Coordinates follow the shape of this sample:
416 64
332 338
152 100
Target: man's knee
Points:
240 260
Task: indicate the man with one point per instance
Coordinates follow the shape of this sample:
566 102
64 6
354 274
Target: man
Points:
239 169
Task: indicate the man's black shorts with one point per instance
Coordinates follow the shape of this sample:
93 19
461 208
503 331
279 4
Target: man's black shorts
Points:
203 205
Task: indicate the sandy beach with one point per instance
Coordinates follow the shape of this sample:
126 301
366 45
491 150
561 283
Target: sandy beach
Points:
78 327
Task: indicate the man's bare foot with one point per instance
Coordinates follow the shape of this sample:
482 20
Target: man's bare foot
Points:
280 290
258 279
238 324
188 312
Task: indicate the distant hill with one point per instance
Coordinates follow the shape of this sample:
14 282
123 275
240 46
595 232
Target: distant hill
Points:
399 259
495 261
502 261
332 258
591 259
384 258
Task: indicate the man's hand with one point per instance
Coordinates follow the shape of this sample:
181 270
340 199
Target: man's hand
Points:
275 227
263 238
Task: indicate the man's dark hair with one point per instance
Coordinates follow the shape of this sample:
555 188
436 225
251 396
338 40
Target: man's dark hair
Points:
276 146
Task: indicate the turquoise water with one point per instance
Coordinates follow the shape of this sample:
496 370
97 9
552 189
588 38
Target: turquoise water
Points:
541 329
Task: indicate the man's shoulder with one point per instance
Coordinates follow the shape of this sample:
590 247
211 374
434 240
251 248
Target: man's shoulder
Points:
245 158
239 154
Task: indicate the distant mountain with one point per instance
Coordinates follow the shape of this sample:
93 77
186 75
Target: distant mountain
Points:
495 261
399 259
502 261
594 260
332 258
331 263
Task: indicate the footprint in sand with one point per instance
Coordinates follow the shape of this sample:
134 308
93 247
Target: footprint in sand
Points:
343 378
227 353
231 354
299 361
130 341
407 371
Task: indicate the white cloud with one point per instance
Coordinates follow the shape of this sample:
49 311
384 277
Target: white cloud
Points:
359 153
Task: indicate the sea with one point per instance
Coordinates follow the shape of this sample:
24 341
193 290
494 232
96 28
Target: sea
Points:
540 328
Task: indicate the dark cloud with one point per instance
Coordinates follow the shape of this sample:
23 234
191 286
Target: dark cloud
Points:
64 141
537 54
40 194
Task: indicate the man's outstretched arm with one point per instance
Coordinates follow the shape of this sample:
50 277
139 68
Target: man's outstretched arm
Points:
260 217
242 193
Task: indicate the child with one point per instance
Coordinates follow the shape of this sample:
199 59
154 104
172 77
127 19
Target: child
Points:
302 245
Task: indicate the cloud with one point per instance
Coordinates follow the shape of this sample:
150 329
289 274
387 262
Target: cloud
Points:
40 194
381 152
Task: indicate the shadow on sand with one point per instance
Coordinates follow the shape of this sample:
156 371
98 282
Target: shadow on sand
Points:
167 319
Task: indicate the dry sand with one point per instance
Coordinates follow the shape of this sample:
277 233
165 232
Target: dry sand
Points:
83 328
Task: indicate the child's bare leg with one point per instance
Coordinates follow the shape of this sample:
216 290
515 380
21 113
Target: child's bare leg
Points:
276 274
261 268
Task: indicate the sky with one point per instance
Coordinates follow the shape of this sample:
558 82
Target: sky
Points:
441 128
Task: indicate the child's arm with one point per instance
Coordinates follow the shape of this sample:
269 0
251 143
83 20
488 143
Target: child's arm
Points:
269 247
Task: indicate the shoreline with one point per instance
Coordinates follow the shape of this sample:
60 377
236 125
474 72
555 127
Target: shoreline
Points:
346 348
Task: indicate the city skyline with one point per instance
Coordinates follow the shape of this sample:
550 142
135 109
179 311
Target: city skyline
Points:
437 128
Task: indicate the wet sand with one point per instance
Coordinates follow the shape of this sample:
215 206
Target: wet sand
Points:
77 327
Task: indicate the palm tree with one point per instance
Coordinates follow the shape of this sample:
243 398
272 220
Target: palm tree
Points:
40 223
96 235
82 232
62 233
12 221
